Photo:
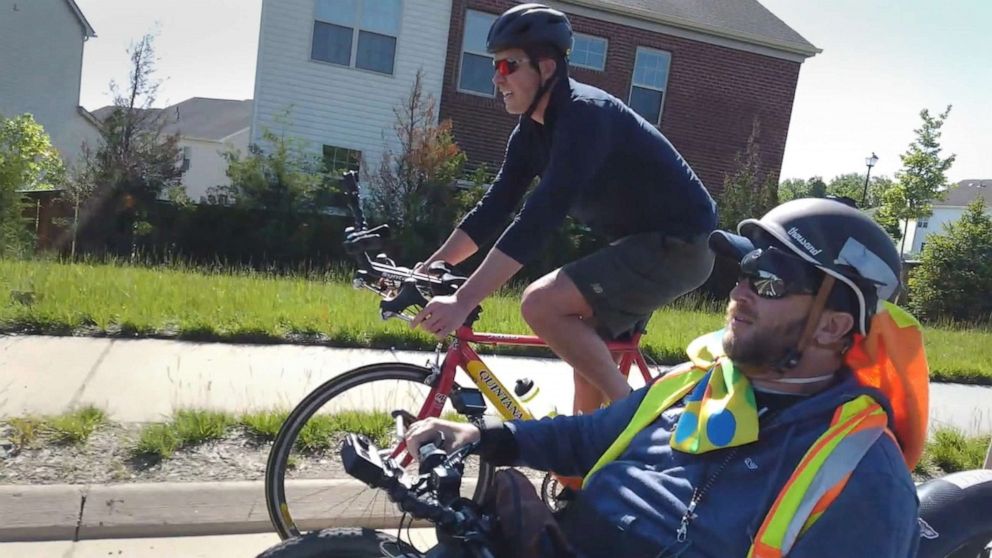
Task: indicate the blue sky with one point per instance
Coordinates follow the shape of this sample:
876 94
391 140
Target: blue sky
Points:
882 62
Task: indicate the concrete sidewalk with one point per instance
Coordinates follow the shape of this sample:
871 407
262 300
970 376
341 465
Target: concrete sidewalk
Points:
146 380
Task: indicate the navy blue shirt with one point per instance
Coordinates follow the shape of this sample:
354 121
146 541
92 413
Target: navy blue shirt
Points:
599 162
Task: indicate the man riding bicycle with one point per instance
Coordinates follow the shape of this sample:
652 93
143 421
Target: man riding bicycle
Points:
606 166
790 432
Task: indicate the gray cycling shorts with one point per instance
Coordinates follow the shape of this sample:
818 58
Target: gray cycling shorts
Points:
635 275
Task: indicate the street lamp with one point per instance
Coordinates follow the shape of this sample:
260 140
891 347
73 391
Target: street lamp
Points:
870 162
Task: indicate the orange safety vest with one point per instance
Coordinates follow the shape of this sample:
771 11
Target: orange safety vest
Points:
816 482
891 359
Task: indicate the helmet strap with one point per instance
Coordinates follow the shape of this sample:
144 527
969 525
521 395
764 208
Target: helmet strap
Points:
547 85
793 355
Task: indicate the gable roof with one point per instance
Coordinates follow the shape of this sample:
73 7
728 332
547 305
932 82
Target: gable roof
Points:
742 20
197 117
209 119
87 28
966 192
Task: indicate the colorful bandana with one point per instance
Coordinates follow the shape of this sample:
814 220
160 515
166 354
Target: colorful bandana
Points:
720 412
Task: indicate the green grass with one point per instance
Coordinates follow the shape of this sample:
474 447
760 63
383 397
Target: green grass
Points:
316 435
75 427
25 430
158 441
246 306
321 432
264 425
196 427
187 428
949 451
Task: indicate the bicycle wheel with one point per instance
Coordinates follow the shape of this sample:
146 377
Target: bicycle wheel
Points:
305 484
342 543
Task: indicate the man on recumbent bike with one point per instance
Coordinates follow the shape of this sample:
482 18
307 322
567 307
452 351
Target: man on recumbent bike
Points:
790 432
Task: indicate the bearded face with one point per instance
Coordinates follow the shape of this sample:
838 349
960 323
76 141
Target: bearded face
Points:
759 341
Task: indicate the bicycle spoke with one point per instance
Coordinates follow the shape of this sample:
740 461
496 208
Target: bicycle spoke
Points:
362 403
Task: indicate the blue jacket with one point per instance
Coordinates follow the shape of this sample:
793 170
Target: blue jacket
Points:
633 505
599 162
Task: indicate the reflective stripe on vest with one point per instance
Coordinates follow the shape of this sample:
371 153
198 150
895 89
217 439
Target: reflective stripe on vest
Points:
665 392
817 480
820 476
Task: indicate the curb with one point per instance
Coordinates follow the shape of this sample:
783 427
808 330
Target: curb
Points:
172 509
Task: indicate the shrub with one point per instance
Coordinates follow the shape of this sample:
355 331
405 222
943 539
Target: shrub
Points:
955 273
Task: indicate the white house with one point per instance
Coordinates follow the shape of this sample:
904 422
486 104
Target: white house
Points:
945 211
206 128
41 58
330 72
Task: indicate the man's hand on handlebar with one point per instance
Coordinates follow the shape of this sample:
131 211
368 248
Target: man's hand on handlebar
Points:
431 430
442 315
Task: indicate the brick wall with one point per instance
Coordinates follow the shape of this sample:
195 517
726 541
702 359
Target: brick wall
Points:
714 94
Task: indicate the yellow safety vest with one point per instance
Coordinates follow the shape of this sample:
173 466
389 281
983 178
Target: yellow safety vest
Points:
817 480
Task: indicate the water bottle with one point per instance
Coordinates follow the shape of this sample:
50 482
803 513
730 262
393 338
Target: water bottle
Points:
530 395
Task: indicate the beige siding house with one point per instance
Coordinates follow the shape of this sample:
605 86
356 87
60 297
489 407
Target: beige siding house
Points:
41 58
207 128
330 72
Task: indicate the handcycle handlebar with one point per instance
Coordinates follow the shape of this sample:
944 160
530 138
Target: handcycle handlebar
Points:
400 287
432 495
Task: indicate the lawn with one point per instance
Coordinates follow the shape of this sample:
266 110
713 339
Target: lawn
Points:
99 299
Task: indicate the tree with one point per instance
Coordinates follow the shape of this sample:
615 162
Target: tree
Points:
278 175
412 188
955 272
922 178
748 192
852 185
27 162
134 162
796 188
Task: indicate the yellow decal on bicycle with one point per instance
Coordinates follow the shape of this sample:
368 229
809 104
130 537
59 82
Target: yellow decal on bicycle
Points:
495 391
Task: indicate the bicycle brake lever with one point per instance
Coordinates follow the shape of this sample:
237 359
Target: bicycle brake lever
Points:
403 421
388 315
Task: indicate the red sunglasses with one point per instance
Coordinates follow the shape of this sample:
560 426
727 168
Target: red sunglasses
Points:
507 66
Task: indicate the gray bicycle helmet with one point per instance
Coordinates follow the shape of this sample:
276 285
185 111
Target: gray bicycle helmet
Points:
835 238
530 25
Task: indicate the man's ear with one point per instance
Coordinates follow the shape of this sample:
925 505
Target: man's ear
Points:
548 67
834 327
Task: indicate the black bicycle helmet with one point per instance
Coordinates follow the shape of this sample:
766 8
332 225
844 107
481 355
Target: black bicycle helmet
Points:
530 25
835 238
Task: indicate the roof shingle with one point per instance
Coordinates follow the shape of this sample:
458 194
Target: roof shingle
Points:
746 20
965 192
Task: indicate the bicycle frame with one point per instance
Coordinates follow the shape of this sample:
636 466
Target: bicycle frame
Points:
461 355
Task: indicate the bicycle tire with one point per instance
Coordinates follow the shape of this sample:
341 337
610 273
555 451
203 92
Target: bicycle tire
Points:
331 393
956 515
342 543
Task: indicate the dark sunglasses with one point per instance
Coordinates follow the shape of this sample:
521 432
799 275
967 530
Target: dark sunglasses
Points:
772 273
507 66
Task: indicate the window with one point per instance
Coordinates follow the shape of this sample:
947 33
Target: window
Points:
187 153
359 33
647 89
476 75
588 52
922 223
339 160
